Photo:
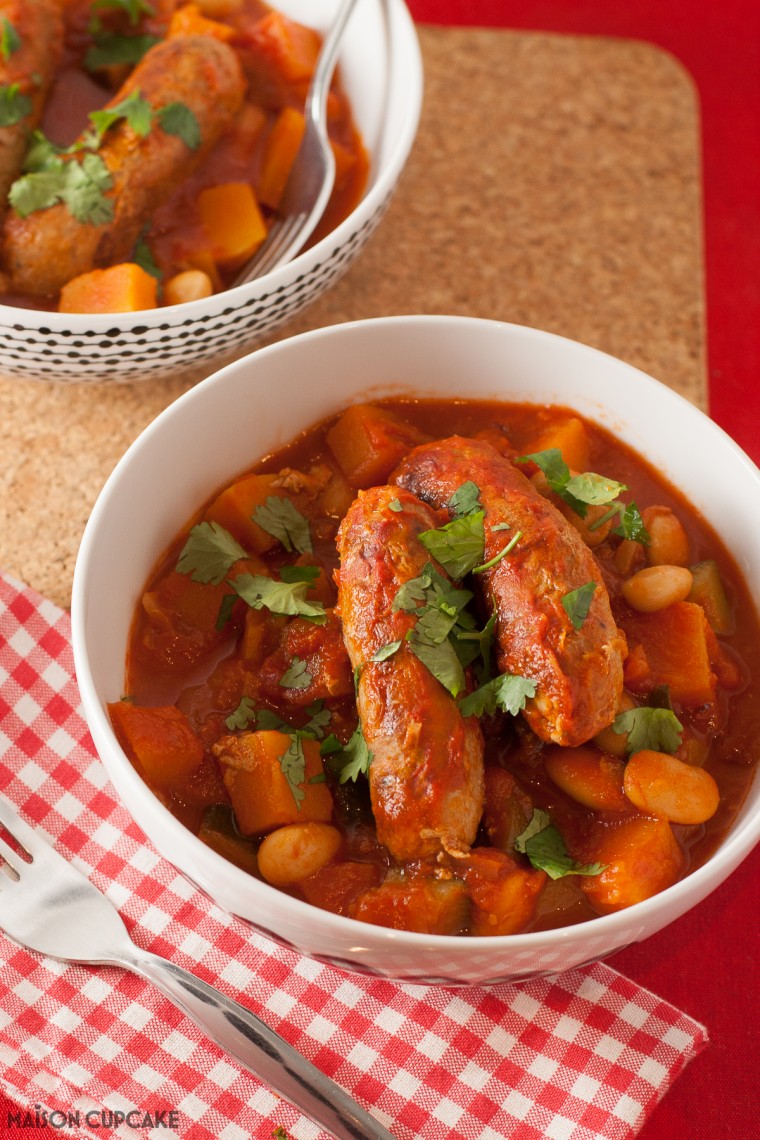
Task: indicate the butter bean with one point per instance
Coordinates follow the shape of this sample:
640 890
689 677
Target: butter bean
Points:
656 587
297 850
659 784
669 542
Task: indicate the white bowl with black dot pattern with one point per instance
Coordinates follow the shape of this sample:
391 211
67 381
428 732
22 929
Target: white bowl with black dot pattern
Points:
381 70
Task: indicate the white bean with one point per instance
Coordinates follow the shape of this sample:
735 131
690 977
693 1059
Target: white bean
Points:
657 587
661 785
190 285
297 850
669 542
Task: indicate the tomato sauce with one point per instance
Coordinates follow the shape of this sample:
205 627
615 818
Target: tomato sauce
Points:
182 656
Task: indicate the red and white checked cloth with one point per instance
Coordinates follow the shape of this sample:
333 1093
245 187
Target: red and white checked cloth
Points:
582 1056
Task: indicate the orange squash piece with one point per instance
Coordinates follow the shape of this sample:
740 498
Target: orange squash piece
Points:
427 906
234 507
279 154
675 645
368 442
233 222
190 21
123 288
159 740
287 47
570 437
641 858
254 772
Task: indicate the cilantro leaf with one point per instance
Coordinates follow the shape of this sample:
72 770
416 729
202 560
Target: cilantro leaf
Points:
481 642
631 525
658 729
243 715
579 491
410 593
110 49
386 651
286 598
439 657
177 119
307 574
458 546
209 552
133 109
501 554
293 768
577 603
508 691
280 518
134 9
595 490
465 500
142 255
351 760
10 40
546 850
14 104
296 676
395 506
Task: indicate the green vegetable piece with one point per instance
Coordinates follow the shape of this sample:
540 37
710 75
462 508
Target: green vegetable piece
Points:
545 848
112 50
349 761
386 651
243 715
578 603
293 768
133 109
501 554
134 9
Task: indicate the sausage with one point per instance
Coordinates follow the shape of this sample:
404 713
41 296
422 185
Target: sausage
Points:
578 672
37 25
48 247
426 774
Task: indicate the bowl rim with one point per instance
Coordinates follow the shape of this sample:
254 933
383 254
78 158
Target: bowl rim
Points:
691 889
405 69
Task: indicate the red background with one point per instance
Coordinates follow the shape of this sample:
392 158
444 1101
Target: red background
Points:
706 962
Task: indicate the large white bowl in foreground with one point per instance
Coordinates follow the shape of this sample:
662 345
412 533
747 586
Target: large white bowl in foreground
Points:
381 70
251 407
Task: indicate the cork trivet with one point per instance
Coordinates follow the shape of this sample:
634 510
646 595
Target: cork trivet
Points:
555 182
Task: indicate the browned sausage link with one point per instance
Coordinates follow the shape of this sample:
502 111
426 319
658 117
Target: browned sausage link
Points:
578 672
426 774
37 30
48 247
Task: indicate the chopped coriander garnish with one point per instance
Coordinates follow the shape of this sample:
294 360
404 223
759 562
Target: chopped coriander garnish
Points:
458 545
14 105
142 255
177 119
134 9
580 491
133 109
438 656
546 850
209 552
280 518
658 729
577 603
395 505
348 761
508 691
501 554
110 49
386 651
287 598
10 40
296 676
80 186
243 715
412 593
293 768
465 500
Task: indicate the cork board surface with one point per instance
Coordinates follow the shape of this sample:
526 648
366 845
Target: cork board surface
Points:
555 182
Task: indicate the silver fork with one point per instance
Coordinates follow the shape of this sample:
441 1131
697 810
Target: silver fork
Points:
312 175
49 906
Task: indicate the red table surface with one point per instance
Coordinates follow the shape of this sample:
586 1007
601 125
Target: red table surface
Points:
705 963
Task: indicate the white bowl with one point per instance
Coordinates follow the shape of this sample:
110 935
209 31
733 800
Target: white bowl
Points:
255 405
381 70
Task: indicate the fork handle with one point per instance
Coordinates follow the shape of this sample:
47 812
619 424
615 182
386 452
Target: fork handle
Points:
250 1041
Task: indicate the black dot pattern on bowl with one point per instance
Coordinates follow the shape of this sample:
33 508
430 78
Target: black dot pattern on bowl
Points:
146 352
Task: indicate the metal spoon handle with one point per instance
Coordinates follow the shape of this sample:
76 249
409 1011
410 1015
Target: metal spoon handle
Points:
251 1042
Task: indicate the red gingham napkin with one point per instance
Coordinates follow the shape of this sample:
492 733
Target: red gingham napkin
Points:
585 1055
